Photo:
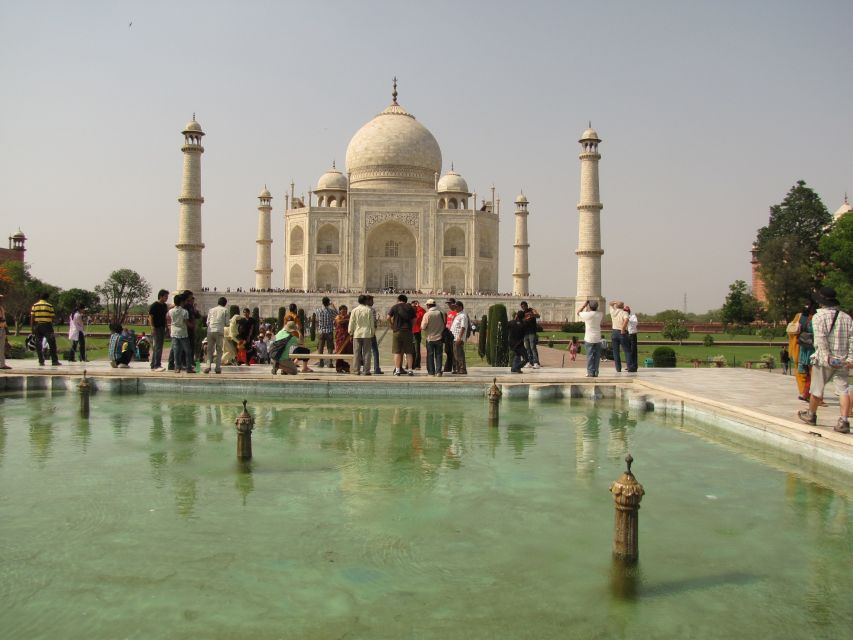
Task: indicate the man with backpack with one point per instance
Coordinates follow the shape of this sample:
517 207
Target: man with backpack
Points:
832 359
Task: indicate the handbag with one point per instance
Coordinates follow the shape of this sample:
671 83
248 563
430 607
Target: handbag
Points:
806 339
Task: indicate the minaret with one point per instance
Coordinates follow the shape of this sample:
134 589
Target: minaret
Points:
520 275
263 264
189 225
589 250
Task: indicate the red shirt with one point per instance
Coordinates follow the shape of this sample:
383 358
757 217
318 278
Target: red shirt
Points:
450 315
419 315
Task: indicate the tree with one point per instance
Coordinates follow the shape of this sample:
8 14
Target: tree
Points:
68 300
120 291
801 215
674 325
837 249
497 353
789 249
740 306
16 285
788 274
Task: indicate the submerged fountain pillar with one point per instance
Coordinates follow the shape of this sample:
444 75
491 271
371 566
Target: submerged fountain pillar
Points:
245 423
627 494
495 394
85 389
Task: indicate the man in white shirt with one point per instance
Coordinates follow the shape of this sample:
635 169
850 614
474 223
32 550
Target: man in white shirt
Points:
633 360
459 329
217 318
362 327
592 336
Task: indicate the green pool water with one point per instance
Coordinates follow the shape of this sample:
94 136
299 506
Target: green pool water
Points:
403 519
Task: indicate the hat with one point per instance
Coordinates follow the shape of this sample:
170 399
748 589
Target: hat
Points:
291 326
826 296
451 301
430 301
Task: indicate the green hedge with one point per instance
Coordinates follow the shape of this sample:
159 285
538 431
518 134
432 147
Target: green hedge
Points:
664 357
573 327
497 354
481 337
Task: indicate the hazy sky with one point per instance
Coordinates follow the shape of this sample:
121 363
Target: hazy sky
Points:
709 112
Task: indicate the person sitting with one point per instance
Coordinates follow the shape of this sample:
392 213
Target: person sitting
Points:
143 348
286 343
120 350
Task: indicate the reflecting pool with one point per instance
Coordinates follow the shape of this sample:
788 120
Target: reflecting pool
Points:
403 519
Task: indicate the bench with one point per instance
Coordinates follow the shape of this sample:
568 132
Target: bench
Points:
321 356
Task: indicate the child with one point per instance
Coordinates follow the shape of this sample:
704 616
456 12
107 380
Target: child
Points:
573 349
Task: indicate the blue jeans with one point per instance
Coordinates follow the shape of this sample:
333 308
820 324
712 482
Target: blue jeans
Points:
519 358
593 357
435 350
158 334
530 342
619 342
374 349
183 353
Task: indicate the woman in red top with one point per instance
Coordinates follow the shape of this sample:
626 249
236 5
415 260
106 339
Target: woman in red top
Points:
416 333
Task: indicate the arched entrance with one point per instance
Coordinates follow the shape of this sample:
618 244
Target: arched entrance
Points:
326 278
453 280
392 252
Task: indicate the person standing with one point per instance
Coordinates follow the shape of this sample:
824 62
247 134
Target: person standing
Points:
833 357
361 328
157 321
631 355
77 333
619 333
517 330
459 329
374 343
801 348
785 359
325 317
591 336
573 349
217 318
343 341
4 326
432 328
178 317
193 318
400 317
531 338
41 317
447 336
416 333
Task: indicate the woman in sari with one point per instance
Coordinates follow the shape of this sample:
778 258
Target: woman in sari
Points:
343 341
800 352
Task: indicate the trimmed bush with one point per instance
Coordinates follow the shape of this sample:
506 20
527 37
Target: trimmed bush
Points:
280 318
708 340
664 357
497 354
256 314
573 327
300 313
313 329
481 337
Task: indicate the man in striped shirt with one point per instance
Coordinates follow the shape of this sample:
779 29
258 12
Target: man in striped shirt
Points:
833 357
325 318
41 318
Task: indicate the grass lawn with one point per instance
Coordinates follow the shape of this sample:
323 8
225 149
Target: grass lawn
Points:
648 335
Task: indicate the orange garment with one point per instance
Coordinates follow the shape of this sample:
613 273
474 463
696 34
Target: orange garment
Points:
804 379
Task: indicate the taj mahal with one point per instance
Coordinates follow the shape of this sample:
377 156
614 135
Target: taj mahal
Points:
391 222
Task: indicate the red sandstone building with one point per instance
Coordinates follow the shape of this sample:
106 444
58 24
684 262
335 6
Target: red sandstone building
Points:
16 249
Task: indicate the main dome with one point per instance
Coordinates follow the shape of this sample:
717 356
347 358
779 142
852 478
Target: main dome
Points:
392 151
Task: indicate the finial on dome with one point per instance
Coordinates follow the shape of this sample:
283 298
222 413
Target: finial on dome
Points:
590 124
333 164
193 116
845 198
451 167
394 92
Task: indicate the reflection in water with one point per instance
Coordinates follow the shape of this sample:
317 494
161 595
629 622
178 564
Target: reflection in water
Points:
41 434
825 514
244 482
82 434
119 421
2 437
587 427
185 495
618 442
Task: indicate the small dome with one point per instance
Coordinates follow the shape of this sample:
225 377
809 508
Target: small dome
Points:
452 181
20 235
521 199
265 193
590 135
332 180
843 209
193 127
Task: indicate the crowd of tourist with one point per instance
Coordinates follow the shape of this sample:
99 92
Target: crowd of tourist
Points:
623 337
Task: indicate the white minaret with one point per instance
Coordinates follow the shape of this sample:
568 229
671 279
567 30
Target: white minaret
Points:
263 264
189 224
520 274
589 225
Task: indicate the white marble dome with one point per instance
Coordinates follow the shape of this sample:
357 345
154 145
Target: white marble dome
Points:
590 134
332 180
193 127
393 150
265 193
452 182
843 210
